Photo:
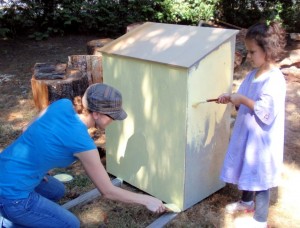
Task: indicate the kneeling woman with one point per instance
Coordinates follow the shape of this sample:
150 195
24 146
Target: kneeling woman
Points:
56 138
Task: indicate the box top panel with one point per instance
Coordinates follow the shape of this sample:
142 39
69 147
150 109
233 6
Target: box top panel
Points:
178 45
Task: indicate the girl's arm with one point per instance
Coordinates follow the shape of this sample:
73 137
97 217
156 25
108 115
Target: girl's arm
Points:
238 99
95 170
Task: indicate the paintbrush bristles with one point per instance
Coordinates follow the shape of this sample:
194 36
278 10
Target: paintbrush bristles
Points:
196 104
200 102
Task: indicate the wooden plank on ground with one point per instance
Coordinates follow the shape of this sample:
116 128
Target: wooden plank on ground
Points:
162 220
89 196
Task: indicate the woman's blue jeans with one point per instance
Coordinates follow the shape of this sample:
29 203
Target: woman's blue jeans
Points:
38 210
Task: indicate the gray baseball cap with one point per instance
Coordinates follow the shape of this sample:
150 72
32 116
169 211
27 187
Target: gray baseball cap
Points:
104 99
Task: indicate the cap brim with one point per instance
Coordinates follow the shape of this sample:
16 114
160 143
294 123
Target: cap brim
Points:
120 115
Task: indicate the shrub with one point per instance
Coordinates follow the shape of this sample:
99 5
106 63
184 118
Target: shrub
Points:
244 13
40 19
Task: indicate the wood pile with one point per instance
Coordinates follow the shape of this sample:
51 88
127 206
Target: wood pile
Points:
89 65
51 82
133 26
93 47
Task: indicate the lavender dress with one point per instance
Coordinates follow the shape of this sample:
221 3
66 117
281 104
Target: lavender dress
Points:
255 152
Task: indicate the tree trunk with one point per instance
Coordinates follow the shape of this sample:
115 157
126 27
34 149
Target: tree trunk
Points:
133 26
93 46
52 82
89 65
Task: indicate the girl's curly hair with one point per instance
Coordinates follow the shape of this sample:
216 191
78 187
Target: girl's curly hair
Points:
270 37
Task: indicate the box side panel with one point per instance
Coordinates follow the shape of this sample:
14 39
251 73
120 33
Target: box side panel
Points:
208 124
147 149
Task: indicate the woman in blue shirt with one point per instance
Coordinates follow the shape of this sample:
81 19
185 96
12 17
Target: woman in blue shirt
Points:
56 138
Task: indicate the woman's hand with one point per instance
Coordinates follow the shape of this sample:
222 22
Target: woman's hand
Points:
96 171
155 205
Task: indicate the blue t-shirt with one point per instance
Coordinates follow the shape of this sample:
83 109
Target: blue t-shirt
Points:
49 142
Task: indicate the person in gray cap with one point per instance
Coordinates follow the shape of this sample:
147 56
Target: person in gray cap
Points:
101 98
56 138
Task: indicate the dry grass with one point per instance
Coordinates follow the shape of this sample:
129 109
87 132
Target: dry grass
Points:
17 109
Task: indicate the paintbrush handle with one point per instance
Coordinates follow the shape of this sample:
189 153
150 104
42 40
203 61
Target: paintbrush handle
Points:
208 100
211 100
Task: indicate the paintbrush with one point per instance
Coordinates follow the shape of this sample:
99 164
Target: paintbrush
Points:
201 102
172 208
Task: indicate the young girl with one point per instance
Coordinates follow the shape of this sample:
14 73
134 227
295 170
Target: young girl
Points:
255 151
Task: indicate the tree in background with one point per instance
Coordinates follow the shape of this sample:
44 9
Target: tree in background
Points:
39 19
244 13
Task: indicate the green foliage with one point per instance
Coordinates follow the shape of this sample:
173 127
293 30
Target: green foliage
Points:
244 13
4 32
41 19
186 11
290 15
39 36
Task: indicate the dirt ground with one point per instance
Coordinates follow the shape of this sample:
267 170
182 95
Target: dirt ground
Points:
17 108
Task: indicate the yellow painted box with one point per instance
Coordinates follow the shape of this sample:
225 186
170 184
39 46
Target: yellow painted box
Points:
166 147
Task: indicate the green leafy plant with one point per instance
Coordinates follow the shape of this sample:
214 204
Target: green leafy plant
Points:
185 11
244 13
41 19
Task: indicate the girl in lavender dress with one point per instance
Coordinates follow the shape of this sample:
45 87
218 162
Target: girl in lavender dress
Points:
255 152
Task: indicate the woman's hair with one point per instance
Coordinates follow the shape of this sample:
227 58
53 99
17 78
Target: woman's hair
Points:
79 108
270 37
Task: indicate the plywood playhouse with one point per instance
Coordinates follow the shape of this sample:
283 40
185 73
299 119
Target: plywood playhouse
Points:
167 147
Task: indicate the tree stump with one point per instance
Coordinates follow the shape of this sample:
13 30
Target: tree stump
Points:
89 65
133 26
51 82
93 46
240 48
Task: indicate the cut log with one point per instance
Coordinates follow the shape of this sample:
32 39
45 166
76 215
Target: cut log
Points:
89 65
94 46
47 88
49 71
240 48
133 26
